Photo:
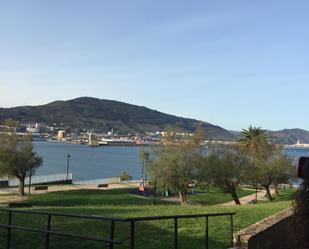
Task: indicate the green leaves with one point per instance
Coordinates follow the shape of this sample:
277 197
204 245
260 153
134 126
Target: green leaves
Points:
268 165
17 157
175 166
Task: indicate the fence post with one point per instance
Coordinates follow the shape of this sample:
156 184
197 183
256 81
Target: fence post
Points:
132 235
206 234
112 234
232 230
8 241
175 233
47 231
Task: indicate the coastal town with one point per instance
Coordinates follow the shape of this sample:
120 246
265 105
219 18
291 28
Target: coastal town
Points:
154 124
84 136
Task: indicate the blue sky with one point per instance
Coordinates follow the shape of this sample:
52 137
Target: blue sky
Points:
230 63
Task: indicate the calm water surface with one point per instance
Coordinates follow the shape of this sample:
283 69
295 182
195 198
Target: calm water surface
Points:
87 163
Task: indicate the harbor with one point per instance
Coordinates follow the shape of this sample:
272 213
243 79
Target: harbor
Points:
89 164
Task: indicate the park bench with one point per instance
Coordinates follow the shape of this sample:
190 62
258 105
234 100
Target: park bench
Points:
41 188
103 185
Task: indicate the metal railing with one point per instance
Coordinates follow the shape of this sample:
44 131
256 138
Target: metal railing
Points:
48 231
109 242
44 179
176 218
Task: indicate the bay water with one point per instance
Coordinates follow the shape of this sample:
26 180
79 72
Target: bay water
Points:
88 163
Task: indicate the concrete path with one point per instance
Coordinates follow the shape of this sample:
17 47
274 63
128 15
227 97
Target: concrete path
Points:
247 199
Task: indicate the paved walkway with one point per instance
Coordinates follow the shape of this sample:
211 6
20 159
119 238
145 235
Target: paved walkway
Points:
247 199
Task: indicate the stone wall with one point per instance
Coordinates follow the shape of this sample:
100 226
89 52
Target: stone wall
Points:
270 233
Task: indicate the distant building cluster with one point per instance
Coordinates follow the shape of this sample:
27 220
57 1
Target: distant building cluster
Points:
62 133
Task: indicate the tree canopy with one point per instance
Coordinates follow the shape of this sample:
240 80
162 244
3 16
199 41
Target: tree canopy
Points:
175 165
268 165
226 170
17 158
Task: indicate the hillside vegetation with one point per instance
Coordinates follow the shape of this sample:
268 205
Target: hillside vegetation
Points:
107 114
289 136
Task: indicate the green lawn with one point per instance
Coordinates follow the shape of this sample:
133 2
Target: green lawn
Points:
285 195
213 195
209 196
118 197
117 203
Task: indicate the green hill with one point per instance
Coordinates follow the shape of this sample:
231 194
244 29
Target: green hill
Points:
289 136
285 136
107 114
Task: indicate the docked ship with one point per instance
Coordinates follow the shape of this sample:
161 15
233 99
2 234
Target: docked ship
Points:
116 142
298 145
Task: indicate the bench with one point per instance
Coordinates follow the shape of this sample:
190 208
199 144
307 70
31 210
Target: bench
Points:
41 188
103 185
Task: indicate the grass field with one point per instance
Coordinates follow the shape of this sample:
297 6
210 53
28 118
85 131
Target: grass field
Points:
209 196
118 203
213 195
285 195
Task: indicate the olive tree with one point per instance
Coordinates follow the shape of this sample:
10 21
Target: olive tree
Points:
282 171
175 165
225 170
17 158
268 165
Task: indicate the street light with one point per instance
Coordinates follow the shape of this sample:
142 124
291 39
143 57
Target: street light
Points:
29 186
68 166
256 192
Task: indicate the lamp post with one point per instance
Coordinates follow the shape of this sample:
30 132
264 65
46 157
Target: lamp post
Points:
154 191
29 186
68 166
256 192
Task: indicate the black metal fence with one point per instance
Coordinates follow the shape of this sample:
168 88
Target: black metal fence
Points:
108 242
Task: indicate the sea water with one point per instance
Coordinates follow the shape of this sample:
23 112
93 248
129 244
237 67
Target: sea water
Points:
87 163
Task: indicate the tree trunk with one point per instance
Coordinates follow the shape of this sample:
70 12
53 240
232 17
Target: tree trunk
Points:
183 198
276 190
235 197
268 194
21 188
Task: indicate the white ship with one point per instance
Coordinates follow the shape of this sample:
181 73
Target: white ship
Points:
298 145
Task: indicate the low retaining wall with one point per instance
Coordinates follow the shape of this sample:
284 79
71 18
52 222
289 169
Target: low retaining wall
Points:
99 181
270 233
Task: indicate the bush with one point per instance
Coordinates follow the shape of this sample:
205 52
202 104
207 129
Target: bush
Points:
126 176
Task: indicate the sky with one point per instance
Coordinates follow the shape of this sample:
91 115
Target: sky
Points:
230 63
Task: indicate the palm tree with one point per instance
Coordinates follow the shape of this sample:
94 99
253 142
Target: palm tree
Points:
255 144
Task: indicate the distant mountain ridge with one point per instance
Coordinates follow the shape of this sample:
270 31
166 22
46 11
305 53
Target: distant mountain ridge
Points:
289 136
107 114
285 136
